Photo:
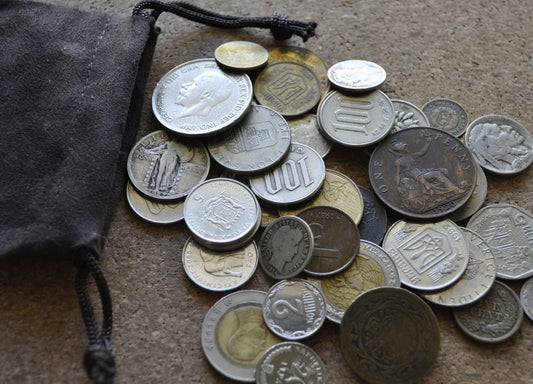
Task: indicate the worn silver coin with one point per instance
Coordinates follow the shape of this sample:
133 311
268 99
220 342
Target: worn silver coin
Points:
446 115
305 130
356 75
241 55
154 211
407 115
526 297
476 200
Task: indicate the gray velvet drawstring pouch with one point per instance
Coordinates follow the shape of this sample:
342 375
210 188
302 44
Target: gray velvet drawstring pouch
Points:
71 91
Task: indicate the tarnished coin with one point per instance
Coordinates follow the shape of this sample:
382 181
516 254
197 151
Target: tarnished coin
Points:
297 178
355 120
446 115
257 143
422 172
508 230
162 167
154 211
241 55
526 297
268 214
477 279
286 247
219 271
338 191
429 256
197 98
390 335
305 130
294 309
290 362
500 144
222 214
234 335
476 200
356 75
373 224
407 115
494 318
288 87
336 240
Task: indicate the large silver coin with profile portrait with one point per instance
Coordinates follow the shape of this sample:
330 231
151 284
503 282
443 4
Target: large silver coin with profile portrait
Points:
197 98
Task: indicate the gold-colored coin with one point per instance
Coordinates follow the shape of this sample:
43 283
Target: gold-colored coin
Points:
241 55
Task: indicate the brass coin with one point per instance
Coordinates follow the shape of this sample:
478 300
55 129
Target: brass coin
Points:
241 55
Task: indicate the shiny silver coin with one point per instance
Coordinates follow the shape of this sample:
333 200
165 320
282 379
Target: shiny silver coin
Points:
297 178
154 211
162 167
356 75
390 335
500 144
305 130
234 335
294 309
198 99
241 55
526 297
373 224
257 143
508 230
355 120
476 200
222 214
494 318
407 115
286 247
290 362
446 115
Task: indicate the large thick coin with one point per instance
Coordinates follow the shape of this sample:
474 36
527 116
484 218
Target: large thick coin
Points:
422 172
297 178
390 335
241 55
294 309
476 200
446 115
290 362
234 335
355 120
508 230
477 279
197 98
429 256
356 75
526 297
257 143
373 224
219 271
494 318
286 247
154 211
288 87
336 240
500 144
407 115
162 167
222 214
305 130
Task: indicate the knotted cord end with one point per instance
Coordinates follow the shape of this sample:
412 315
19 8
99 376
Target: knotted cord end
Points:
100 363
283 28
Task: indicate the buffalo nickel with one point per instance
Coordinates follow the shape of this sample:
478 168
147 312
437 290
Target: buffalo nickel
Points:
241 55
446 115
154 211
356 75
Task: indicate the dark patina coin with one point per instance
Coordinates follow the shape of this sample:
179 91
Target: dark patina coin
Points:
422 172
373 225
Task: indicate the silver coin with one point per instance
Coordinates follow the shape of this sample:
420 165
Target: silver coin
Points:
257 143
494 318
373 224
291 362
154 211
294 309
234 335
429 256
500 144
476 200
508 230
162 167
305 130
297 178
477 279
222 214
355 120
526 297
356 75
446 115
286 247
197 98
407 115
219 271
241 55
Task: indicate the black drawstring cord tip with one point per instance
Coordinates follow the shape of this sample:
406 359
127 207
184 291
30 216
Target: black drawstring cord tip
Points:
99 364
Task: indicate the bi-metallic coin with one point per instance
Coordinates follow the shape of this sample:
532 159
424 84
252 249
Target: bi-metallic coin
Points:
356 75
446 115
241 55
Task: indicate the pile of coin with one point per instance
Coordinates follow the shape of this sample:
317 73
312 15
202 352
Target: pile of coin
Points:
325 240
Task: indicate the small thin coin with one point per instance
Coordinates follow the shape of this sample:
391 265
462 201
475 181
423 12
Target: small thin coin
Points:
407 115
476 200
446 115
162 167
288 87
305 130
373 224
526 297
154 211
294 309
494 318
234 335
219 271
356 75
286 247
290 362
241 55
390 335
